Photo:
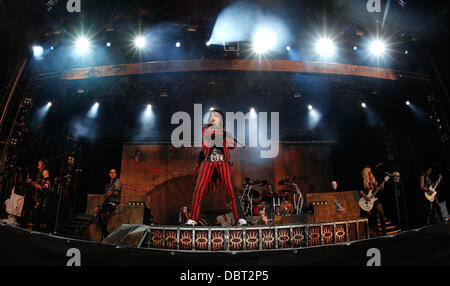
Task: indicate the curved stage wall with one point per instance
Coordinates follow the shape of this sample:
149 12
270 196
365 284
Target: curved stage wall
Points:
163 175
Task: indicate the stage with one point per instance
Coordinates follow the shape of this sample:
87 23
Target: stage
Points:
418 247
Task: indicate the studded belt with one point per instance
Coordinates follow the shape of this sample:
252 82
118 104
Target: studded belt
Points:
216 158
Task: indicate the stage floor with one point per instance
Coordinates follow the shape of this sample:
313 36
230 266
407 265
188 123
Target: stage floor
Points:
423 246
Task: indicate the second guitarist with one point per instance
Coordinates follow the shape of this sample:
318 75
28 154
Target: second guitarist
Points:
369 184
433 207
111 202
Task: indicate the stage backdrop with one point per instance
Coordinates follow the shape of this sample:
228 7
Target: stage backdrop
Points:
162 175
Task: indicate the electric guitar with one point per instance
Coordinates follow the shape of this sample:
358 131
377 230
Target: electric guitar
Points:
367 205
431 193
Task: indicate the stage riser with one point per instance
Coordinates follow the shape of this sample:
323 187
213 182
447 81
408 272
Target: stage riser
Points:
255 238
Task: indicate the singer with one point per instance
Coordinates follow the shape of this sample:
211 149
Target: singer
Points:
214 164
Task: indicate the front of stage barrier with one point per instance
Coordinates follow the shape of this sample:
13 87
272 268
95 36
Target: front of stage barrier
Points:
234 239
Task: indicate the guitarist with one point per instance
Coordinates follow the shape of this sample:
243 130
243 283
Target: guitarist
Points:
41 188
369 184
433 207
110 202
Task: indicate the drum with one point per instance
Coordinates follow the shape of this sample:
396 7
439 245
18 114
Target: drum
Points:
257 209
286 207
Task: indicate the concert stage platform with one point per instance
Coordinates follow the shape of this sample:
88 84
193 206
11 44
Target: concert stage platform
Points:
423 246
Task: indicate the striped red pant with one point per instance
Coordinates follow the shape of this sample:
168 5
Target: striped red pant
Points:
205 172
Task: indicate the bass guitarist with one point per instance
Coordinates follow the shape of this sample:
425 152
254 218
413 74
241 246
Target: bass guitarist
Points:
111 202
369 184
433 207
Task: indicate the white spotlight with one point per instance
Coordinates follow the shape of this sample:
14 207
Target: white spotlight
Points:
208 43
310 107
212 108
49 104
407 102
363 105
355 48
252 113
325 47
406 52
263 41
177 44
288 48
140 42
93 111
82 45
108 44
38 51
377 48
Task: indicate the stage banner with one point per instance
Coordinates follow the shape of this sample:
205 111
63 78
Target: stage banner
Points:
162 175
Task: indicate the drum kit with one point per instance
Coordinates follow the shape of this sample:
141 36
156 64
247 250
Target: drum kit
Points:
259 198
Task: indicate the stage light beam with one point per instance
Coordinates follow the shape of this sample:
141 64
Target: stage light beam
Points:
92 113
140 42
82 44
377 48
263 41
38 51
325 47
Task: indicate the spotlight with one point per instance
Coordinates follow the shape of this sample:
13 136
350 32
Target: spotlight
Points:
288 48
313 117
38 51
108 44
355 48
140 42
263 41
212 108
407 102
49 104
377 48
406 52
363 105
177 44
208 43
82 45
310 107
147 116
325 47
93 111
51 48
252 113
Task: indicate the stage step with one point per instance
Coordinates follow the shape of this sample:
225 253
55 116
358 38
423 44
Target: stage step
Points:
75 226
391 228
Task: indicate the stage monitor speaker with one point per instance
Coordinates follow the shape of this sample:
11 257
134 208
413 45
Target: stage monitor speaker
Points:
127 235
